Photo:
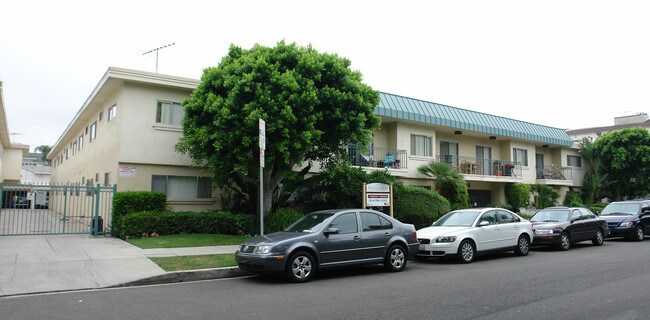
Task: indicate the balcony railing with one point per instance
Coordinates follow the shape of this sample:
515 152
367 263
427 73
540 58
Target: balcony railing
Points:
553 172
378 157
482 166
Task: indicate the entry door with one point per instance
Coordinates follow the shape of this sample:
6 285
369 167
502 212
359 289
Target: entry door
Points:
484 157
539 164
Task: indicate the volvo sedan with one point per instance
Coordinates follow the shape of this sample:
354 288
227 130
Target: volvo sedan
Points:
467 233
330 238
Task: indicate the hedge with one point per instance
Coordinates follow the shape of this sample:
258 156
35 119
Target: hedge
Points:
171 222
418 206
138 201
281 219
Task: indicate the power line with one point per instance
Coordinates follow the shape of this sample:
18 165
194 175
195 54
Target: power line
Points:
156 50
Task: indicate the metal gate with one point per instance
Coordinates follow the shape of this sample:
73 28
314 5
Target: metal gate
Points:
55 209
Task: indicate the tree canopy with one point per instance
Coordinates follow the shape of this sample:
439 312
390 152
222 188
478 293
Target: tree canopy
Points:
313 105
625 154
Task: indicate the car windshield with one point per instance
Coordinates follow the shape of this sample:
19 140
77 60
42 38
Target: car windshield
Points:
458 218
309 223
616 209
550 216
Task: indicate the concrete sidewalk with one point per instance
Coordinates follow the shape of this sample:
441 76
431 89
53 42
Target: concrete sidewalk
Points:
36 264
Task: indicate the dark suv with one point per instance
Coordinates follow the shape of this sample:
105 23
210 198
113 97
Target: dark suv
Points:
630 219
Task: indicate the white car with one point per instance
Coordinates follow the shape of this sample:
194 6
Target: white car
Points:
469 232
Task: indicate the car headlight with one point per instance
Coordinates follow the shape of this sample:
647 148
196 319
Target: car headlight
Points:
543 231
446 239
263 249
626 224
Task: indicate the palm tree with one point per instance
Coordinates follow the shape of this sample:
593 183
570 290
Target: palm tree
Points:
44 150
449 183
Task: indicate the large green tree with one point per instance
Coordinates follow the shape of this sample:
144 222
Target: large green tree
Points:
44 150
313 103
625 154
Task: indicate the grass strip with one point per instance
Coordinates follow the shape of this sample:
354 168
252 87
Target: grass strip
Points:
187 240
195 262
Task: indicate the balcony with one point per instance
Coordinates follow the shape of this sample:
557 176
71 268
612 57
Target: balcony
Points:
378 157
481 166
553 172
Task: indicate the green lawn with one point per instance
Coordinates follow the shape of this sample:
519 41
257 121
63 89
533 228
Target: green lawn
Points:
195 262
187 240
191 240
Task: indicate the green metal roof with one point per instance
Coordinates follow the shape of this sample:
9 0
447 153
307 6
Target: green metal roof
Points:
403 108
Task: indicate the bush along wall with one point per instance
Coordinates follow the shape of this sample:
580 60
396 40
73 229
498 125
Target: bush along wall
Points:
171 222
128 202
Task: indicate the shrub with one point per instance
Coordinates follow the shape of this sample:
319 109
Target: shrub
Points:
171 222
280 219
137 201
573 199
246 224
517 195
546 196
418 206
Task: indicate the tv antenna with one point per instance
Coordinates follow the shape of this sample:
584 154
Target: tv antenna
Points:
156 50
14 134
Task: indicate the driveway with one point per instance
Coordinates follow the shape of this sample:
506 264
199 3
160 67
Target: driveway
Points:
30 264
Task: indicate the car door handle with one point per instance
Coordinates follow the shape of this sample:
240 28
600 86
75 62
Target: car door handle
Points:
356 238
516 227
387 234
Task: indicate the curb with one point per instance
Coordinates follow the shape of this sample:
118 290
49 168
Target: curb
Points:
188 275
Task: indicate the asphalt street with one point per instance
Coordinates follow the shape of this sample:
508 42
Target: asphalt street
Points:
586 282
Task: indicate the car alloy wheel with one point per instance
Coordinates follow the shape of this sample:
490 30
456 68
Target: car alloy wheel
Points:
565 241
639 233
599 239
523 245
301 267
395 259
466 252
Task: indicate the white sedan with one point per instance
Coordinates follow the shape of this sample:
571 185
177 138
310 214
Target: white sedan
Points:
469 232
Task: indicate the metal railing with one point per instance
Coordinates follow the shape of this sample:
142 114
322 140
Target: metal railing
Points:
482 166
378 157
553 172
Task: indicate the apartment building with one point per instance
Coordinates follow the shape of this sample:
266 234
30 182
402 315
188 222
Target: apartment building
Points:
125 134
11 154
640 119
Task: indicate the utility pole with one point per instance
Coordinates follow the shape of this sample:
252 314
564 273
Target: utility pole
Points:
156 50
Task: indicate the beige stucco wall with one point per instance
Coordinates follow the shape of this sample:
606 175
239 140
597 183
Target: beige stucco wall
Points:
11 165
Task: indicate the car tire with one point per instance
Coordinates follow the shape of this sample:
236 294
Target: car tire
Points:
523 245
395 260
301 267
565 241
599 239
638 233
466 252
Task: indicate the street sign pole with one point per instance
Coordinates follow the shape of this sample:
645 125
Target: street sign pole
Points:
262 138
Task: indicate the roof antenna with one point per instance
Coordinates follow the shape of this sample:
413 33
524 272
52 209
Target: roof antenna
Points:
156 50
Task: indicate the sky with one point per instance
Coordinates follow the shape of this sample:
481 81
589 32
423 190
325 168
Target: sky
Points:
564 64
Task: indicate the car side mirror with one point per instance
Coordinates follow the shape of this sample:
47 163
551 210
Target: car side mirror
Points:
329 231
574 220
484 223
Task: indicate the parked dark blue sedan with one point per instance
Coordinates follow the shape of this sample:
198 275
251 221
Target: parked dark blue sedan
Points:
330 238
630 219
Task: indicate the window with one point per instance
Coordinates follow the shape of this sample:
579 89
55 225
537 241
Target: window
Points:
449 153
112 112
107 179
179 187
93 131
521 156
81 142
421 146
574 161
346 223
490 216
101 115
169 113
371 221
506 217
97 177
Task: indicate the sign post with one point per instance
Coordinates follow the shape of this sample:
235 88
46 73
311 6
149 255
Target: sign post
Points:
378 195
262 137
